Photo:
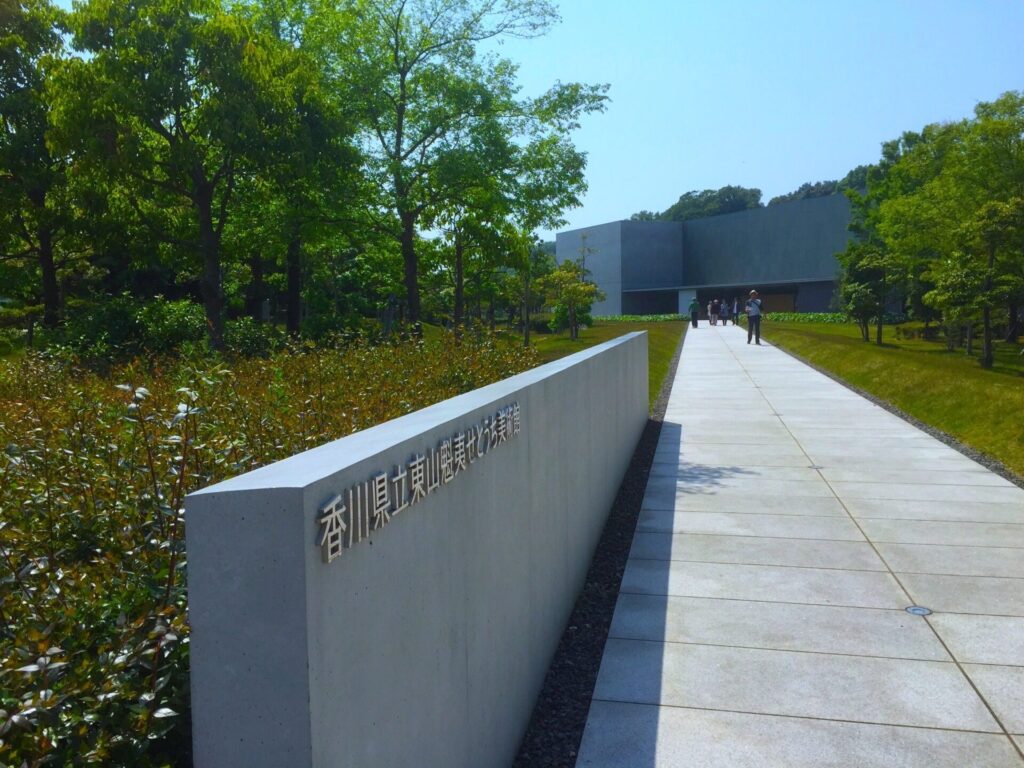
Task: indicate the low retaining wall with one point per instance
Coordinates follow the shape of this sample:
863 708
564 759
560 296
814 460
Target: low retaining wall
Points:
394 598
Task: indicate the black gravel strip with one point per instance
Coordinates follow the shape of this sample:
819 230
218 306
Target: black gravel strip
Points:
556 726
972 453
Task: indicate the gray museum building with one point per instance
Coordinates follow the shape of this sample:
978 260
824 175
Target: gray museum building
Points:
785 251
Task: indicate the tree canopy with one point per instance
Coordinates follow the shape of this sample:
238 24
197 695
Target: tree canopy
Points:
710 202
943 219
303 161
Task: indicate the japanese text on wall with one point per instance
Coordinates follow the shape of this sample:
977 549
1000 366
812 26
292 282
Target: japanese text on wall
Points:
349 516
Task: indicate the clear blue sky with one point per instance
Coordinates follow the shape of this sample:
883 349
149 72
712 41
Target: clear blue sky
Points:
765 94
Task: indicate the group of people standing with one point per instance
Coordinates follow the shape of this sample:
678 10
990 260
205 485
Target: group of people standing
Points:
719 309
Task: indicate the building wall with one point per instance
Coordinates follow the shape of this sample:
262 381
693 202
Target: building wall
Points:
604 260
649 303
791 241
652 254
427 644
815 297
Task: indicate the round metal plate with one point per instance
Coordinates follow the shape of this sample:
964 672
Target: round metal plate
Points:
918 610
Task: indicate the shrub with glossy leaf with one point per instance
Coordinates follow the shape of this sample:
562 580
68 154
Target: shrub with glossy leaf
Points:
835 318
642 318
93 474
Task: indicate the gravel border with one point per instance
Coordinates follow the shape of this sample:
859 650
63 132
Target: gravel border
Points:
556 726
974 454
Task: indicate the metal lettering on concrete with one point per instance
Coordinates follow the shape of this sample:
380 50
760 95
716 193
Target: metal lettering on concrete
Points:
349 517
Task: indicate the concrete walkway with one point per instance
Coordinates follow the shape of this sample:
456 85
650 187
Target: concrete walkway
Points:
787 524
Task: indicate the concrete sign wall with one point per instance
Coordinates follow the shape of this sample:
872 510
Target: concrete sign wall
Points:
332 626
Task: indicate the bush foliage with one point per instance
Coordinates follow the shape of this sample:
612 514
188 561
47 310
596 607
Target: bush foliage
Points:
809 317
834 318
643 318
93 630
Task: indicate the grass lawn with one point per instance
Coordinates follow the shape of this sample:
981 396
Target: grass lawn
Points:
662 339
948 390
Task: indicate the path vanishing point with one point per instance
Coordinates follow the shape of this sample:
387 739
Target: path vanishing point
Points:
787 525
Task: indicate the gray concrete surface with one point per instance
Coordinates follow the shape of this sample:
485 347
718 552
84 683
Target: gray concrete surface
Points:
787 524
427 644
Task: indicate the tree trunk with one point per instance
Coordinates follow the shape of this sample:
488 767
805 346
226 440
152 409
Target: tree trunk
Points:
878 329
412 287
210 280
293 319
479 298
460 287
986 312
254 294
47 264
970 339
48 268
864 334
526 312
986 337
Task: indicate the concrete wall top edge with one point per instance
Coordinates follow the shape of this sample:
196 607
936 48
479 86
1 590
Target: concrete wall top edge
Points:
306 468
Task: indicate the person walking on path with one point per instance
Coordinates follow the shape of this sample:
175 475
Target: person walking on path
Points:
694 312
754 318
735 311
715 308
725 311
711 315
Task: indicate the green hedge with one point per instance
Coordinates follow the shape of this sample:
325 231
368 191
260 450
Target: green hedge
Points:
835 318
641 318
808 317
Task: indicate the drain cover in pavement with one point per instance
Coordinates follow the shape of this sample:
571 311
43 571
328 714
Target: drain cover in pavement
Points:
918 610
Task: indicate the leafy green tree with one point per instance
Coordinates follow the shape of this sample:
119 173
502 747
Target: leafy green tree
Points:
710 202
996 146
644 216
957 293
865 285
526 284
570 295
728 199
34 210
174 98
808 190
311 161
855 179
950 200
417 81
995 225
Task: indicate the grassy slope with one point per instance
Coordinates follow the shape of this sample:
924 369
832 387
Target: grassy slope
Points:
662 339
948 390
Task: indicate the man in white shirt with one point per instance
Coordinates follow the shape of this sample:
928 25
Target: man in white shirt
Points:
753 308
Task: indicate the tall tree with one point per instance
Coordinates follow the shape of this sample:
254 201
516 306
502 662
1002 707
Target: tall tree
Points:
174 98
33 212
311 161
951 201
421 85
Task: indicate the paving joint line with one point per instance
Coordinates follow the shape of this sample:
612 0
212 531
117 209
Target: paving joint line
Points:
994 734
816 605
970 682
946 661
815 567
